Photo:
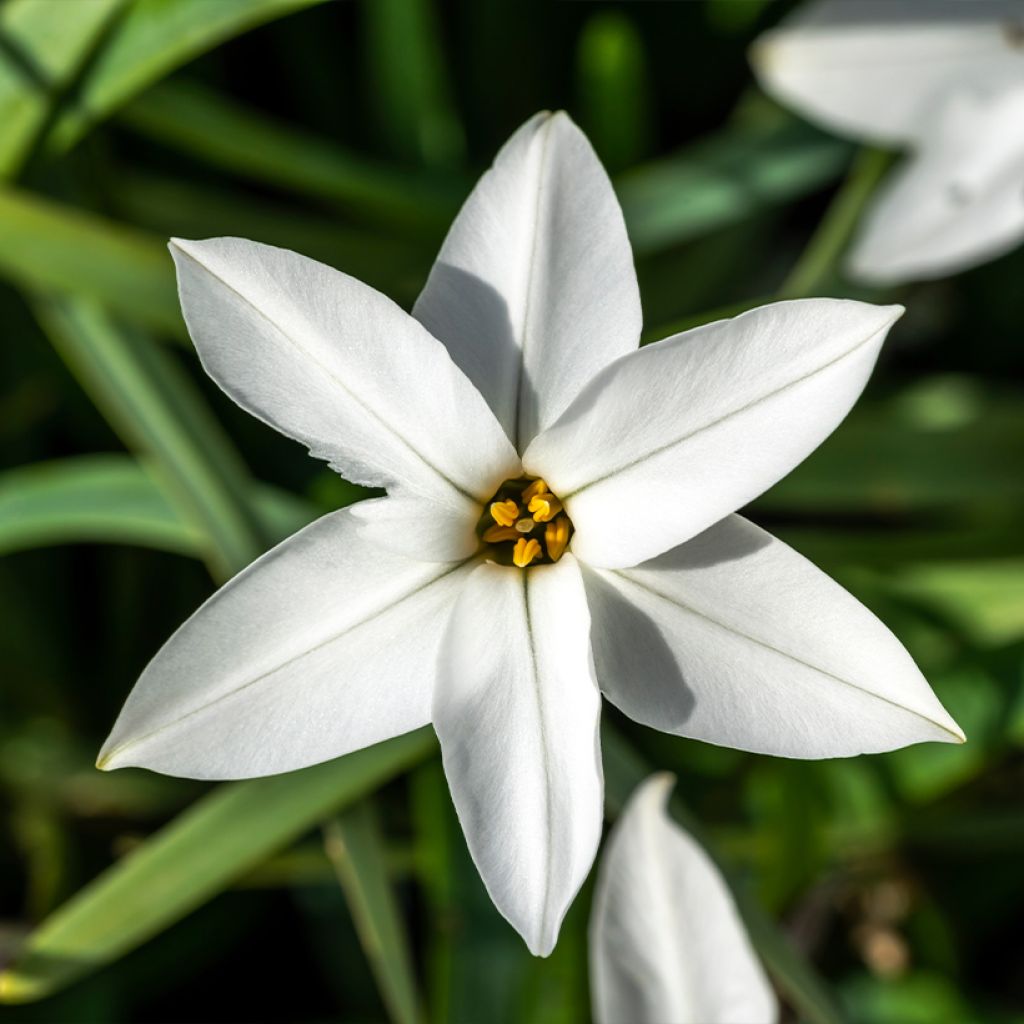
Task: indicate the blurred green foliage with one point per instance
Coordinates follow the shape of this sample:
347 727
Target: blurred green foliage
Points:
885 889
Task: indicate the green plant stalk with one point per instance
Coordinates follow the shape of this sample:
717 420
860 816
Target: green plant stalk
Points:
816 268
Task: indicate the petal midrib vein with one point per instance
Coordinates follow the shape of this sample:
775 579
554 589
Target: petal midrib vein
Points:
544 756
682 606
531 267
661 449
263 676
305 353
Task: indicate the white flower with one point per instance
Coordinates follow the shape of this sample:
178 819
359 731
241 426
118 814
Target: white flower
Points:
944 79
666 943
379 619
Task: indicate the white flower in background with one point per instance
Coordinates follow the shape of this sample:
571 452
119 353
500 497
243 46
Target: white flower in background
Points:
943 79
515 424
667 945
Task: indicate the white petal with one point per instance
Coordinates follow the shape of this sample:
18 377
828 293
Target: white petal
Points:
667 945
412 526
322 646
668 440
873 70
516 710
735 639
534 288
959 202
338 366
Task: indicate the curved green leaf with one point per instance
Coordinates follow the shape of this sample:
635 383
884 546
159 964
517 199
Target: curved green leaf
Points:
153 38
216 841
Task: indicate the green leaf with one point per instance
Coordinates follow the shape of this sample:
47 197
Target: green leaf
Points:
153 38
474 957
725 178
225 134
171 207
115 499
354 844
109 498
216 841
49 246
159 413
614 90
409 82
43 44
624 770
947 441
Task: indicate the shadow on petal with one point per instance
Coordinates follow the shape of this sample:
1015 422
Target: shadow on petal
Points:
629 650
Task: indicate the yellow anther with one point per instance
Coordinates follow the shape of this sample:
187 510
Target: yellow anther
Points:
556 536
504 513
544 507
535 488
525 552
495 534
525 525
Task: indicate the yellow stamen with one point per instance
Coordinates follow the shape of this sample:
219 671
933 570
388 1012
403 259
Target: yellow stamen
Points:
544 507
537 487
504 513
525 552
556 536
495 534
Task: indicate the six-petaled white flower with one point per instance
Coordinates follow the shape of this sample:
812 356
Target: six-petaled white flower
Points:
557 524
667 945
945 80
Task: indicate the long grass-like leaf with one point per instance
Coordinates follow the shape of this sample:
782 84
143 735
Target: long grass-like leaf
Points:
199 854
724 178
355 847
47 245
245 142
115 499
150 401
409 82
43 44
153 38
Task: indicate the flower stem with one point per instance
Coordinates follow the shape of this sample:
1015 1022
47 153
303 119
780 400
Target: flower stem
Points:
817 265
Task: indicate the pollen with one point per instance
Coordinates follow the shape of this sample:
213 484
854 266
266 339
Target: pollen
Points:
524 524
504 513
544 507
556 536
526 551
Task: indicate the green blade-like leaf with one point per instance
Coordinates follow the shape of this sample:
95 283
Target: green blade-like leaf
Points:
171 207
114 499
49 246
354 844
43 44
614 90
624 770
725 178
409 82
153 38
198 855
243 141
90 498
151 402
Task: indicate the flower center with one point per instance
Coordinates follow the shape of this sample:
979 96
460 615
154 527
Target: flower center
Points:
524 524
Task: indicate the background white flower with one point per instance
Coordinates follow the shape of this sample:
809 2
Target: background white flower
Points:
407 610
944 79
667 945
